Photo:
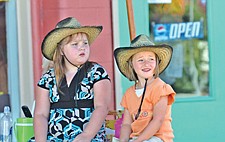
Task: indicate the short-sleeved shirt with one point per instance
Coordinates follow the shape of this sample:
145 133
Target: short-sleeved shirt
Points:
154 91
66 123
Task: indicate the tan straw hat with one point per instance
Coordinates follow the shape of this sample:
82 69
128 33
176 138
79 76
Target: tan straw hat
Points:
139 44
65 28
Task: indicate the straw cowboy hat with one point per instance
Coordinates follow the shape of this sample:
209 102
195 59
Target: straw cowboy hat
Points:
65 28
139 44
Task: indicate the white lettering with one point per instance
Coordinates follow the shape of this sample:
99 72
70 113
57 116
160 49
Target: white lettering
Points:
196 29
188 30
173 31
181 29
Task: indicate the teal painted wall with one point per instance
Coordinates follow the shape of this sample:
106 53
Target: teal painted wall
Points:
200 119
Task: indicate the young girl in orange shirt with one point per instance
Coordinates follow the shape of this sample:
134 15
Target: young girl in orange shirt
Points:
147 104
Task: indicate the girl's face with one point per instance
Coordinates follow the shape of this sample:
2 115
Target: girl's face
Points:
77 50
144 64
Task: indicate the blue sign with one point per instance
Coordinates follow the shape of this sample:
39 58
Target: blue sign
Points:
174 31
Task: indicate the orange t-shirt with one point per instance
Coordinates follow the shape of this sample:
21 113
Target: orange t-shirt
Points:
154 91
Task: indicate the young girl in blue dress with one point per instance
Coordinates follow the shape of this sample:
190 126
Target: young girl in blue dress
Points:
74 96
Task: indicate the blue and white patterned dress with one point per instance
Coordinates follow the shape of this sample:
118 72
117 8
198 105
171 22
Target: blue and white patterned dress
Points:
66 123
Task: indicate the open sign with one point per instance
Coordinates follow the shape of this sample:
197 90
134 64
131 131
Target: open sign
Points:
175 31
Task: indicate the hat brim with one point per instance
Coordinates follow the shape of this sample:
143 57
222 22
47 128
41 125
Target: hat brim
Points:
122 55
51 40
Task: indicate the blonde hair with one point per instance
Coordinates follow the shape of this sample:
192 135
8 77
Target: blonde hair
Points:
132 75
156 74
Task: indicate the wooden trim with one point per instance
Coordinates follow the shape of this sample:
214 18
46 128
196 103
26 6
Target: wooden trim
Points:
131 19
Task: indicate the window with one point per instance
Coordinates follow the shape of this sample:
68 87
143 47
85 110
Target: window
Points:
183 25
3 52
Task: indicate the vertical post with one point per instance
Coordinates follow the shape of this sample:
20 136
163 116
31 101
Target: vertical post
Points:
37 39
130 19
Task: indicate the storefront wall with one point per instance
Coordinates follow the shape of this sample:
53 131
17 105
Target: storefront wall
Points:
199 119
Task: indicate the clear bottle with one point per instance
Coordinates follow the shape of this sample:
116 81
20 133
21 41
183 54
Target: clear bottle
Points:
6 126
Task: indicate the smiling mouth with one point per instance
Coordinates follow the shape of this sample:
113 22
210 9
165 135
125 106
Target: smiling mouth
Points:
146 70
